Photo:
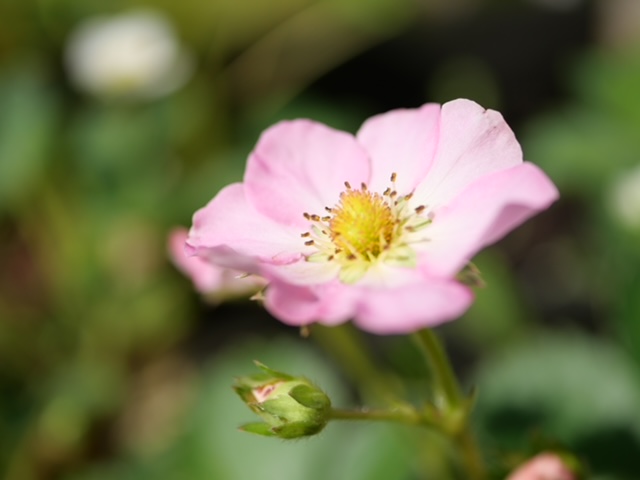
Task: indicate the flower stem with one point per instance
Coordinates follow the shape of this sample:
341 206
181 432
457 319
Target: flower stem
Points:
406 416
451 403
444 378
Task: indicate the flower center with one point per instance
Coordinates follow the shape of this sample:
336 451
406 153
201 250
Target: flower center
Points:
362 223
365 228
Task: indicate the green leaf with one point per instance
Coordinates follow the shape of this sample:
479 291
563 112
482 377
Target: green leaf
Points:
29 113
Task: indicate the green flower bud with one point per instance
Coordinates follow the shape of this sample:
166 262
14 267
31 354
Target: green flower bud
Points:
291 407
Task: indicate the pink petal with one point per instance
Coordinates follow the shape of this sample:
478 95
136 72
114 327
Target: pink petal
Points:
482 214
205 276
377 310
301 166
546 466
328 304
302 272
231 233
412 307
473 142
403 142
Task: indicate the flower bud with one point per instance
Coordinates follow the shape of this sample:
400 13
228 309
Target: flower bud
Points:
291 407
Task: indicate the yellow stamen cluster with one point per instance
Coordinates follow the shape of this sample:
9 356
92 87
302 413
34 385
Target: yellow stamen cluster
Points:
364 228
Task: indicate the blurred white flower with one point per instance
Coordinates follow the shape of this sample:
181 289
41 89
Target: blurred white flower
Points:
132 55
624 198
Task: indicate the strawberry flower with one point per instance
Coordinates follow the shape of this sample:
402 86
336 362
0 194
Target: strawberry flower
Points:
373 227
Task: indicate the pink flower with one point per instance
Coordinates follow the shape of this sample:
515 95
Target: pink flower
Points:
210 279
545 466
373 227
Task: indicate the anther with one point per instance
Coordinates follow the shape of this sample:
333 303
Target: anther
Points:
420 209
305 234
348 185
309 242
393 177
393 194
328 209
387 191
408 196
326 219
363 186
306 215
315 218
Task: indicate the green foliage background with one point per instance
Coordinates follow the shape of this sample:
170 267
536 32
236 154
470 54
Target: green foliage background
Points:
112 367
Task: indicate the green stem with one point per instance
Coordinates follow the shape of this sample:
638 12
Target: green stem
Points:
444 378
471 456
406 416
451 403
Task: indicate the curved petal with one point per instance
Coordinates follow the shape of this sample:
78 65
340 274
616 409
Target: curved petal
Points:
328 304
205 276
473 142
401 141
412 307
231 233
376 310
301 166
482 214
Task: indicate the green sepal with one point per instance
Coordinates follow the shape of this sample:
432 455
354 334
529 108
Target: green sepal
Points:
471 276
297 430
258 428
244 392
271 373
310 397
281 408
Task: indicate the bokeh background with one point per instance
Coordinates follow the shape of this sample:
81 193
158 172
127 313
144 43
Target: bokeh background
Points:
113 367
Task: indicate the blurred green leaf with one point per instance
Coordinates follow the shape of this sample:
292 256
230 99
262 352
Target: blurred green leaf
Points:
567 387
114 143
29 112
499 315
579 148
608 81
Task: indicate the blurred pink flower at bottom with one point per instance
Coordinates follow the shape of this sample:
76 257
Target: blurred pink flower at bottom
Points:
211 280
545 466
